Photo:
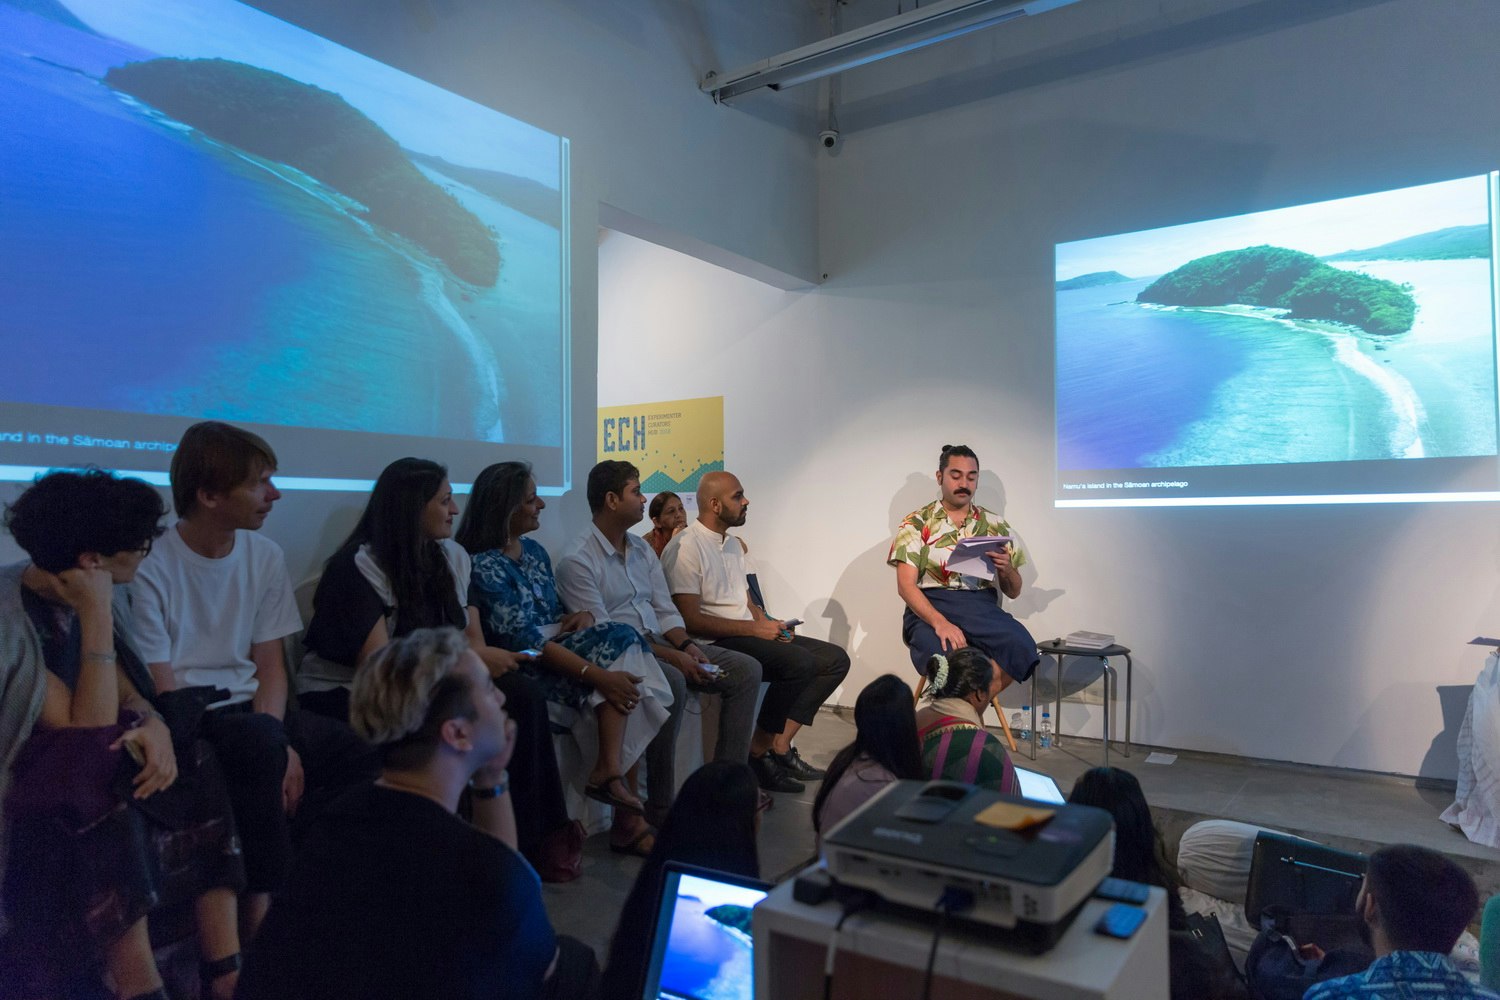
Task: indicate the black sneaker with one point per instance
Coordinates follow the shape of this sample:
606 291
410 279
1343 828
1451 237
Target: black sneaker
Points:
799 768
773 777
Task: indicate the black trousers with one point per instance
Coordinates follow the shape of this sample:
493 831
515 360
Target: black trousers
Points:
535 784
802 674
252 751
577 974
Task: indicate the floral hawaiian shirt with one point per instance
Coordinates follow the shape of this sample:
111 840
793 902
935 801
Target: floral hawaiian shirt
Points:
926 539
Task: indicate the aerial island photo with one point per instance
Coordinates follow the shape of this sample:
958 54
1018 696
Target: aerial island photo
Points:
1348 330
708 953
210 212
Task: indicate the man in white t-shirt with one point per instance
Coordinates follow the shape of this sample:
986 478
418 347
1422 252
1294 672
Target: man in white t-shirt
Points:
212 604
705 568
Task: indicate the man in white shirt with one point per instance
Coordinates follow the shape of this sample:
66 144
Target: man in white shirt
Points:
705 569
615 576
212 604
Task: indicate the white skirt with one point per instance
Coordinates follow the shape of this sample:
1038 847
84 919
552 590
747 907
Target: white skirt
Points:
641 725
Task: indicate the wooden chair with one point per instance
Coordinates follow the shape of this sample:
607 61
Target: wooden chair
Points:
999 713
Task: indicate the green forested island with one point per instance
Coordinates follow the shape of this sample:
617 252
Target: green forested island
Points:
731 915
1276 277
1453 243
1092 280
322 135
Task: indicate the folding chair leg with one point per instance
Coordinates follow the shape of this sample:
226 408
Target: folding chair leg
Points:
1004 725
921 686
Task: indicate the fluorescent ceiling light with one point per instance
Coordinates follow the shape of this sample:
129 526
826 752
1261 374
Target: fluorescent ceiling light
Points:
924 26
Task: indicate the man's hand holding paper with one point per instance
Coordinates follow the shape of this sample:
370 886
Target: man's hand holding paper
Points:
976 556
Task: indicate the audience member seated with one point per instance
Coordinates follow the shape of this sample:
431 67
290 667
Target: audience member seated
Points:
601 675
212 603
668 517
104 818
393 896
885 749
399 571
1414 903
705 570
955 744
713 824
613 575
1141 856
946 611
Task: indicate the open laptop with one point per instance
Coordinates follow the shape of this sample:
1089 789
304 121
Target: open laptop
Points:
701 947
1038 787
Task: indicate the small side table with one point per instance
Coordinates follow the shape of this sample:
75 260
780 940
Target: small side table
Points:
1057 649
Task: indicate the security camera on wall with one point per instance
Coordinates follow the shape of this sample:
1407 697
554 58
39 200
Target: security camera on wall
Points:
829 138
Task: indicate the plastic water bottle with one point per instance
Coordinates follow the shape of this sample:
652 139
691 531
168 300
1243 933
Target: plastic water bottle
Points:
1020 723
1044 730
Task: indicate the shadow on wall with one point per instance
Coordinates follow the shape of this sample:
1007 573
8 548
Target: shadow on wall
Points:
1442 756
1441 759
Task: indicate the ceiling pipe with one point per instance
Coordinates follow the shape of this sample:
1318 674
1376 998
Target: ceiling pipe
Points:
936 22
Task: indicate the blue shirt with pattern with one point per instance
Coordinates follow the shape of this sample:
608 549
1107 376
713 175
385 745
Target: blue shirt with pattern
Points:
516 597
1402 975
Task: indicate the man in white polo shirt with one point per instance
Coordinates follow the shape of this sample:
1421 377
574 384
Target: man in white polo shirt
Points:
212 603
705 569
615 576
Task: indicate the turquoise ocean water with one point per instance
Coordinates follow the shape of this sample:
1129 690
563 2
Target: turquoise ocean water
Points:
1143 386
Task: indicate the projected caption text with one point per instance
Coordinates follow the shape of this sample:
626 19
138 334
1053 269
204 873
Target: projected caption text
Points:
84 441
1128 485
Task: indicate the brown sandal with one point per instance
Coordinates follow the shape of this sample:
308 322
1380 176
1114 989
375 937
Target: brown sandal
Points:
635 845
601 793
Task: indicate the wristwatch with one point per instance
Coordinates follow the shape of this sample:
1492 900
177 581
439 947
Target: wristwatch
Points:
490 791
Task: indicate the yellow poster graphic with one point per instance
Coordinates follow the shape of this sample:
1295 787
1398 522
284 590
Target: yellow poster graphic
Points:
673 443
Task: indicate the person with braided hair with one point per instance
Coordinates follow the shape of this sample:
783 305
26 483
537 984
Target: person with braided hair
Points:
955 744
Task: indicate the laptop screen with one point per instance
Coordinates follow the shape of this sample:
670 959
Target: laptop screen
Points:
1037 786
701 948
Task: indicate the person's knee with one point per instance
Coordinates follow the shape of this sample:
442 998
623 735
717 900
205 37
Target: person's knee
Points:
678 684
745 674
831 658
251 749
798 669
838 661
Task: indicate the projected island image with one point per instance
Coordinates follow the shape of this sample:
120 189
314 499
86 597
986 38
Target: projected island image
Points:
1342 350
708 954
210 213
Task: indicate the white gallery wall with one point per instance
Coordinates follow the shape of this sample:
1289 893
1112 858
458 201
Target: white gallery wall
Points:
1326 635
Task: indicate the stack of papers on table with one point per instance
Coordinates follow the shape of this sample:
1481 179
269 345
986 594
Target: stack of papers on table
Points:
1089 640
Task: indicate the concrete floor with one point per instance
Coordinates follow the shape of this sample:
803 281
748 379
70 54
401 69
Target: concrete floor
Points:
1349 810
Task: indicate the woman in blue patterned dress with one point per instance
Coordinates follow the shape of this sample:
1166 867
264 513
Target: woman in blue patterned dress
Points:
589 670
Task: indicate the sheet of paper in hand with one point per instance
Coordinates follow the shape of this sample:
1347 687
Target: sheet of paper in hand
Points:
969 556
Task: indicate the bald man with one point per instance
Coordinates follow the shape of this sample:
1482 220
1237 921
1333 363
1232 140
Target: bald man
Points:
707 572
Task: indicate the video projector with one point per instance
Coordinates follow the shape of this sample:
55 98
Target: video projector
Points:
915 840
